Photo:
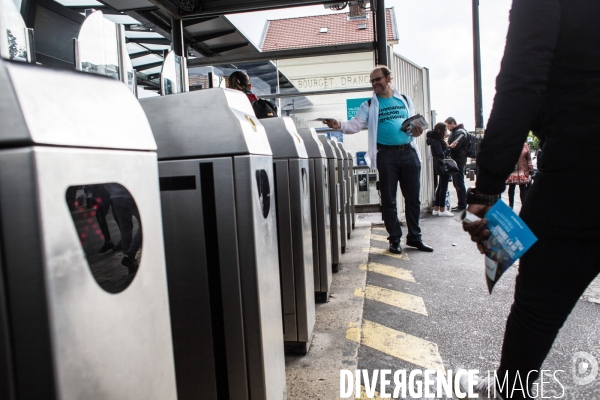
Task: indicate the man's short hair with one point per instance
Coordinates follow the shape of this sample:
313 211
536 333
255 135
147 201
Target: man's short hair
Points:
450 120
384 70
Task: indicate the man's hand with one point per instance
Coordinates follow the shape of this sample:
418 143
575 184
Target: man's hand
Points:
416 131
477 229
453 145
332 123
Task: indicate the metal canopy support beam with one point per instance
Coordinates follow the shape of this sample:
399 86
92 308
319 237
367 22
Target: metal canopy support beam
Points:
223 7
159 41
145 67
283 54
198 20
213 35
477 68
177 37
228 47
381 54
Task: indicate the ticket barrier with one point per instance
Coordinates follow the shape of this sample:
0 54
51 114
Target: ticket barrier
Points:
352 188
76 323
319 206
294 232
348 178
334 203
341 170
216 184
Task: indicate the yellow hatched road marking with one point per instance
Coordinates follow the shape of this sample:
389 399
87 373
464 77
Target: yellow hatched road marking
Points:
401 345
388 270
363 394
393 298
386 252
380 238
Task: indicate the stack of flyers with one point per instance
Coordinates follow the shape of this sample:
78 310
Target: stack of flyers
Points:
509 239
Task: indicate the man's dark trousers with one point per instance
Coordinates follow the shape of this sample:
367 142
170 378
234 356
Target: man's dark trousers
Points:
127 209
400 165
458 180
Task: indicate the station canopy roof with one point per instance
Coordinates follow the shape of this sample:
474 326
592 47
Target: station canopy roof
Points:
207 31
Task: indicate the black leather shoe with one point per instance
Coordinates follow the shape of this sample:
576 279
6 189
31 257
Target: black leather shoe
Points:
458 209
395 248
106 247
420 246
130 263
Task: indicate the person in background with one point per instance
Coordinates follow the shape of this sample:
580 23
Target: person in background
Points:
458 154
520 176
393 152
549 83
439 149
239 80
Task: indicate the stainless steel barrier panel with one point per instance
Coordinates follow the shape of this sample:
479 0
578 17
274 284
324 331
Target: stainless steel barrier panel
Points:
334 203
343 193
348 178
80 324
216 182
294 228
352 188
319 205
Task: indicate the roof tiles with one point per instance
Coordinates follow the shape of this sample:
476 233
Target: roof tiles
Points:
299 32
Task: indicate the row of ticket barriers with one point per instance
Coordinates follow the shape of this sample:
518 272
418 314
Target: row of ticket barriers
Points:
243 223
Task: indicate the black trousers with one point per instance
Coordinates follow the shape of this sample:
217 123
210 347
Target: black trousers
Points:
401 166
458 180
548 286
126 209
440 192
511 193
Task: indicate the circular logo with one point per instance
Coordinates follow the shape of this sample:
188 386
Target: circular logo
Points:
585 368
252 123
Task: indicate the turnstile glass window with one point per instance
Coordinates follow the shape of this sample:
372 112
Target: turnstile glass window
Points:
264 191
108 222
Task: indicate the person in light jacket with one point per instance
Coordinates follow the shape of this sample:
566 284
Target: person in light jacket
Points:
394 154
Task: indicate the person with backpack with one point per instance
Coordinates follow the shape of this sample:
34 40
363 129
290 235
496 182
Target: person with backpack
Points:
393 152
240 80
459 135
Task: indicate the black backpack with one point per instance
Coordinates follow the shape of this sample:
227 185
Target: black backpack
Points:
473 142
264 109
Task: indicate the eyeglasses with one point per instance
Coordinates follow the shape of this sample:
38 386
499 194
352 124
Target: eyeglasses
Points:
377 79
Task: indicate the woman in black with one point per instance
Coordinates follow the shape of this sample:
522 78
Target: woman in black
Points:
549 83
439 149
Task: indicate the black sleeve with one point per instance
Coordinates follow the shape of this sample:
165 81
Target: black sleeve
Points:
437 150
530 44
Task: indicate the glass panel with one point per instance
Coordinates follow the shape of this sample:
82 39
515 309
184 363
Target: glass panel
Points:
13 39
110 232
170 76
98 46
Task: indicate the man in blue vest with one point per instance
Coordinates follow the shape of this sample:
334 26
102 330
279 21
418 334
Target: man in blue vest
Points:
393 152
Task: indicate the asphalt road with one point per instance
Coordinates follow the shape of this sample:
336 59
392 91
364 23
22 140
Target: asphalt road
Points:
461 325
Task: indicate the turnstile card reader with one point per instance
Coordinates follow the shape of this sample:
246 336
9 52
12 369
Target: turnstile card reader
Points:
77 324
334 203
216 182
341 170
294 228
319 206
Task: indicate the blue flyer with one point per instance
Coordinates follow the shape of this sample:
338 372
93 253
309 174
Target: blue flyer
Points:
509 239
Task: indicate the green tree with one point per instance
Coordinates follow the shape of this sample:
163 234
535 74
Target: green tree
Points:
533 141
12 45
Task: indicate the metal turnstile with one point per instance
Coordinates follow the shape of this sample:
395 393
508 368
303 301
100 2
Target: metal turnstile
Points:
341 170
348 178
352 188
334 203
76 323
216 183
294 232
319 206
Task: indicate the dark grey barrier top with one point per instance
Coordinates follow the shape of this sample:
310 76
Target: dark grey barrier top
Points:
314 147
339 154
329 150
211 122
283 138
44 106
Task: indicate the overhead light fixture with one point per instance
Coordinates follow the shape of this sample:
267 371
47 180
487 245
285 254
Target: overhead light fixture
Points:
139 28
323 30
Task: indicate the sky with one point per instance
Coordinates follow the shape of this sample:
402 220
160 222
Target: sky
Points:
437 34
